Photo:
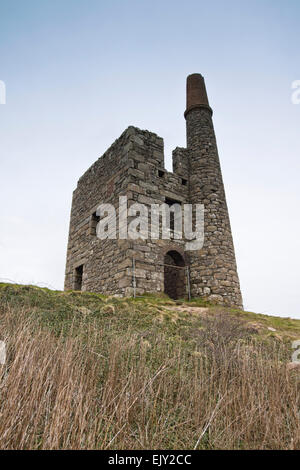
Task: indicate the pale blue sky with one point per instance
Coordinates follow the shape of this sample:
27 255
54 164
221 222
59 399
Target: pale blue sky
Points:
79 72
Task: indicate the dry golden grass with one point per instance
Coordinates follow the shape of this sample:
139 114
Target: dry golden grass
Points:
80 391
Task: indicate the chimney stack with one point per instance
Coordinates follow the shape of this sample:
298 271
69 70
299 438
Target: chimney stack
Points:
213 270
196 96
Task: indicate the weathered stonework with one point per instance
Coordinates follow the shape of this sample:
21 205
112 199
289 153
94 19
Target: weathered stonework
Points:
134 167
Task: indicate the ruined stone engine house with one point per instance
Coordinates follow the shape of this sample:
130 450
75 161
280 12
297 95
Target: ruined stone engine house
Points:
134 167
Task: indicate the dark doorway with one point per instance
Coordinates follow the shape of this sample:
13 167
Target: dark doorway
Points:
175 276
78 277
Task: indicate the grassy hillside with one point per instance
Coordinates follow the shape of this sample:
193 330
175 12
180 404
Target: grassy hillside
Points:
89 371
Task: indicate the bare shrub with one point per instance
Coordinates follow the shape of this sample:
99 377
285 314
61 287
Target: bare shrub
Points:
220 337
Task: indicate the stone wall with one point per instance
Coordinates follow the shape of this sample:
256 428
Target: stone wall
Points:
150 183
102 260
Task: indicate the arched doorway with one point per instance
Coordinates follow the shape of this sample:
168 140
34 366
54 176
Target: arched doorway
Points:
174 275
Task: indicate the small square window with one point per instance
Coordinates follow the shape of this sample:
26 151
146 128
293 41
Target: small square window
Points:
170 203
161 173
183 181
93 224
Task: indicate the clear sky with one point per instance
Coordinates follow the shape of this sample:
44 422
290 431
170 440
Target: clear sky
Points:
77 73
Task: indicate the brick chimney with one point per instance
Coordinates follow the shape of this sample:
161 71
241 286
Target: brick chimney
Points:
196 96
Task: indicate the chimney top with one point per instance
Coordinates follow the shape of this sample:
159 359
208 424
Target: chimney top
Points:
196 96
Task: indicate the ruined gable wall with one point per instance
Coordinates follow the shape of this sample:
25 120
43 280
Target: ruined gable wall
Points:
149 183
102 183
